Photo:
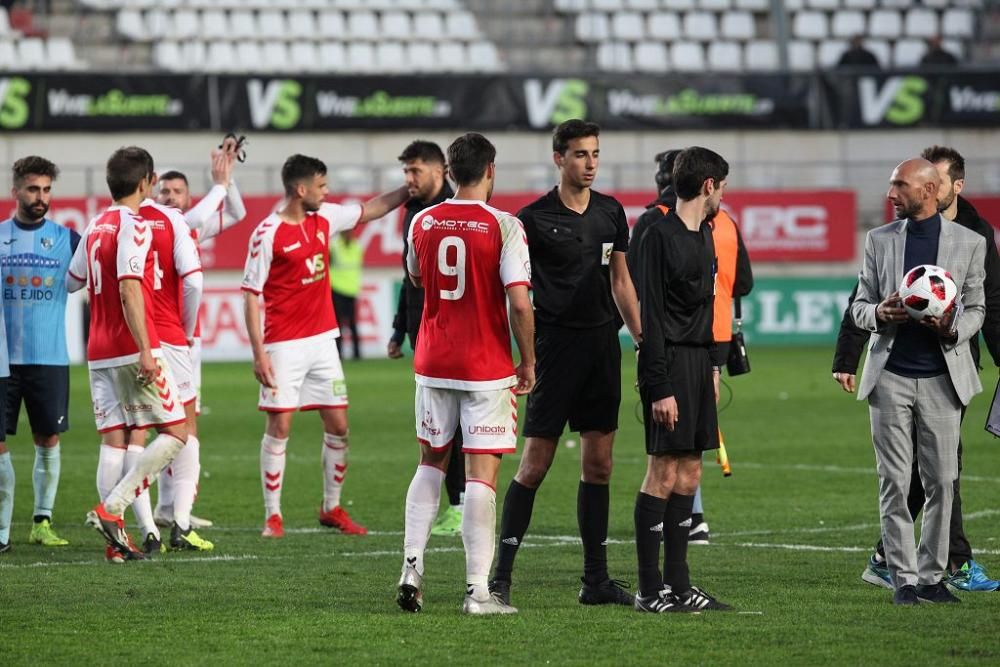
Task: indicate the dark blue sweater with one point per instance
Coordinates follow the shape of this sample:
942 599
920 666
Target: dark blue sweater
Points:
916 351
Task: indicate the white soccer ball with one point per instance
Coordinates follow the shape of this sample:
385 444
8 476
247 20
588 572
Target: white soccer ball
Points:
927 291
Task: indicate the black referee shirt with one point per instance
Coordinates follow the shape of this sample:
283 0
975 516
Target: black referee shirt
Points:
676 297
571 256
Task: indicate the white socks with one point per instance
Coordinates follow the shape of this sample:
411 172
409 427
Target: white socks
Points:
272 472
6 496
422 499
141 507
45 479
186 469
165 490
158 454
110 470
478 533
334 468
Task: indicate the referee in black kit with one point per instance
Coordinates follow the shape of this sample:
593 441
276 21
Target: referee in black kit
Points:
678 379
577 239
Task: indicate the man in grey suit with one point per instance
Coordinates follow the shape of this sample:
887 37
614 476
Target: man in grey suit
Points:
918 375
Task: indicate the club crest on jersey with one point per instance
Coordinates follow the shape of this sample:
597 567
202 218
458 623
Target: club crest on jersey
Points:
134 265
606 249
321 236
47 243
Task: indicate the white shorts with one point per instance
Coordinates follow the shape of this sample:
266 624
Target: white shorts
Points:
488 419
307 373
196 373
179 360
121 401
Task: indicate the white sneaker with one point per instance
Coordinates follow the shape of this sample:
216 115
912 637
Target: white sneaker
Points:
491 605
410 597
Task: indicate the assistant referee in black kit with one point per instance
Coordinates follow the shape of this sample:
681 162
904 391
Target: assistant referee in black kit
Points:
678 379
577 239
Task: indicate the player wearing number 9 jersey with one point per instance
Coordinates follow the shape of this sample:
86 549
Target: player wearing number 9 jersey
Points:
471 259
296 362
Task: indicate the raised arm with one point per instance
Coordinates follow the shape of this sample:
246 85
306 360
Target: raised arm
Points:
378 206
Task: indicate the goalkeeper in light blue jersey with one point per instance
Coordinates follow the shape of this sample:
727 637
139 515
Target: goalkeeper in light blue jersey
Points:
34 258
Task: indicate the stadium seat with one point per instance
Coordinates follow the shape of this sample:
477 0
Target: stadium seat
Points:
361 57
332 56
271 24
442 5
483 57
650 57
274 56
242 25
826 5
663 26
59 54
810 25
331 24
614 57
753 5
859 4
249 55
185 24
166 56
761 56
428 25
593 28
794 5
881 49
627 26
901 4
572 6
452 57
390 57
213 25
678 5
715 5
829 52
302 56
848 23
221 58
193 56
725 57
801 56
642 5
129 24
957 23
361 25
396 25
938 4
422 56
301 24
5 29
461 25
738 25
609 6
687 57
158 24
885 23
700 26
908 52
920 23
955 47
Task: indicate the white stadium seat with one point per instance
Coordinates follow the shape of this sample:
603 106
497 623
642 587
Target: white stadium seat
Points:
461 25
186 24
627 26
614 57
908 52
302 24
428 25
651 57
608 5
957 23
242 25
738 25
687 57
422 56
274 56
5 29
390 57
829 52
678 5
213 25
848 23
715 5
483 57
592 27
221 58
801 56
396 25
572 6
453 57
158 24
885 23
249 55
881 49
361 57
642 5
362 25
59 54
725 57
810 25
823 4
664 26
920 23
193 55
753 5
332 57
761 56
901 4
271 24
129 23
303 56
700 26
331 24
859 4
166 55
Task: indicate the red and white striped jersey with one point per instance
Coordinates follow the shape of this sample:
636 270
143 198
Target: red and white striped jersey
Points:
175 256
286 263
466 254
115 247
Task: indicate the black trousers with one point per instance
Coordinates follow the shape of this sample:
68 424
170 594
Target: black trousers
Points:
344 309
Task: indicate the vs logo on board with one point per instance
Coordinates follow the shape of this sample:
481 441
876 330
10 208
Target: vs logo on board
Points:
556 101
899 100
276 103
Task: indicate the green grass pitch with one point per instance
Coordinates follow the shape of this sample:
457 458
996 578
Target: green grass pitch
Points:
791 532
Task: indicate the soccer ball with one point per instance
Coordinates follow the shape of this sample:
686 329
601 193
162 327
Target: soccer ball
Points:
927 291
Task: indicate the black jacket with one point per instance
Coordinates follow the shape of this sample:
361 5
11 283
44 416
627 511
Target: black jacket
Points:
851 340
410 308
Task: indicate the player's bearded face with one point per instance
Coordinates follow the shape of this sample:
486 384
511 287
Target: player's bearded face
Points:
422 179
33 197
315 193
174 192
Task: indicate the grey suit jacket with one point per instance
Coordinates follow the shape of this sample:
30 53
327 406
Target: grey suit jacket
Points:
962 253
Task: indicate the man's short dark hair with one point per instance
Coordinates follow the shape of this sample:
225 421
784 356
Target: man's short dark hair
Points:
693 167
299 168
33 165
665 168
126 168
172 175
469 156
426 151
956 163
569 130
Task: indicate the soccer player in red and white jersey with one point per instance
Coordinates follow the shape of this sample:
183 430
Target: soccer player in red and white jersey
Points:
130 384
471 260
296 361
221 208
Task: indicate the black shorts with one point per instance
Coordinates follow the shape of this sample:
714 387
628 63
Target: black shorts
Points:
697 427
45 392
578 379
